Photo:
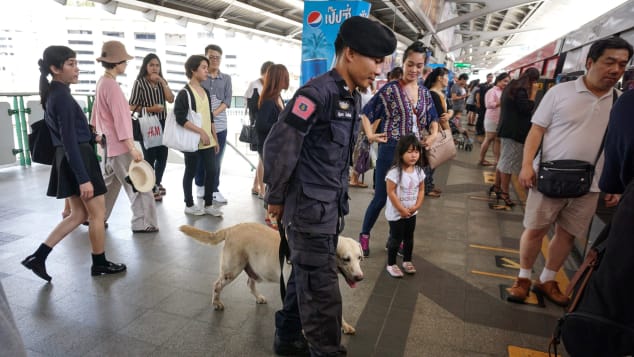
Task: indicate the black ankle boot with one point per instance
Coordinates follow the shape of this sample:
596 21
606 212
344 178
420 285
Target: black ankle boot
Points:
37 266
108 268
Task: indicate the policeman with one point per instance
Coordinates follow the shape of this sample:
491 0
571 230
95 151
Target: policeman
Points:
306 160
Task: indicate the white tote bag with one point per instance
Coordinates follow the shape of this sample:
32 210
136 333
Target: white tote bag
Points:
178 137
151 130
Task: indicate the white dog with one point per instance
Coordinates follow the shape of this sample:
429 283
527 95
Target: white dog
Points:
254 247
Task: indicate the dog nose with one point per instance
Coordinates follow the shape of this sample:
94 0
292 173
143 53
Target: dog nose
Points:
358 277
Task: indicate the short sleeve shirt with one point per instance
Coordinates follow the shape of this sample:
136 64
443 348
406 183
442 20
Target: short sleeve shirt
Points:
575 120
406 190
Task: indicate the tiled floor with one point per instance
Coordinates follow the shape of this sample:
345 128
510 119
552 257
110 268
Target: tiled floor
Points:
162 305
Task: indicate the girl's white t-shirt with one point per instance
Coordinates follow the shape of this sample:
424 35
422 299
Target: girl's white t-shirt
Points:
406 190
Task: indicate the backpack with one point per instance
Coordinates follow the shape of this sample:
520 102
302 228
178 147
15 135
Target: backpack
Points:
600 318
40 143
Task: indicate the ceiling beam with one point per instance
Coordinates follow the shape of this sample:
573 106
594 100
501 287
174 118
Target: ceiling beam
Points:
488 35
143 6
226 9
413 6
491 6
499 33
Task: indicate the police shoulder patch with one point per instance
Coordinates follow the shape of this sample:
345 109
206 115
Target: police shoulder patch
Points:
303 107
301 113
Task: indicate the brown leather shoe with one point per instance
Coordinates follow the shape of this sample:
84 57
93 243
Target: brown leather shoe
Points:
550 290
519 291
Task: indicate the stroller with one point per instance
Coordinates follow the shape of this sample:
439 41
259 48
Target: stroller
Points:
460 135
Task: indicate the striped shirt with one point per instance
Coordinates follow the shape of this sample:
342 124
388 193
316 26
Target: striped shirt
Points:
390 104
146 94
220 90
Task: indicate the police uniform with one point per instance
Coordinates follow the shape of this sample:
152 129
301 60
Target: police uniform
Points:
306 159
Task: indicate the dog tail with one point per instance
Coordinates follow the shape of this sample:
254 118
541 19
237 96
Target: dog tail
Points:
202 235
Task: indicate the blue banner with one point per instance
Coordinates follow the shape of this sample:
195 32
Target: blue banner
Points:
321 25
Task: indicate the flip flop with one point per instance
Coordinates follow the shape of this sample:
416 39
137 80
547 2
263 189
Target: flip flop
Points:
485 163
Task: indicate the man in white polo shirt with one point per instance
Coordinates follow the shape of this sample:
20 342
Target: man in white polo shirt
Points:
571 119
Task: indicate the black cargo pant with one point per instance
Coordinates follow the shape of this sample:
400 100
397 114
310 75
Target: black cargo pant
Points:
313 300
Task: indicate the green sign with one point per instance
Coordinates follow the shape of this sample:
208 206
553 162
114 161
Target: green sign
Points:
462 65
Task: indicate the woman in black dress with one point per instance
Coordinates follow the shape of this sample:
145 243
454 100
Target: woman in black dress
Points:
75 173
270 106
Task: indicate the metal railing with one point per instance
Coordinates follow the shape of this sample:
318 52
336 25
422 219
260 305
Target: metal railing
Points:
17 114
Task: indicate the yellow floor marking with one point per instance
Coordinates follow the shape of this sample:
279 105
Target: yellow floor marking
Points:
496 249
515 351
509 263
494 275
489 177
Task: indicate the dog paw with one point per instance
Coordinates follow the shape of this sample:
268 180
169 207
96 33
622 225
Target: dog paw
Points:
218 306
348 329
260 300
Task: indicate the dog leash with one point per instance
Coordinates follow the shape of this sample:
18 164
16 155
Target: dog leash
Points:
284 253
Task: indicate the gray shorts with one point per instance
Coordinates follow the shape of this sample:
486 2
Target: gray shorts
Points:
572 214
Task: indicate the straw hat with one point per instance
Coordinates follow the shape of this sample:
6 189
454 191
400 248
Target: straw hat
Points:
141 175
113 52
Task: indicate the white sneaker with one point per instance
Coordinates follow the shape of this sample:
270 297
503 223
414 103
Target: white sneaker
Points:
194 210
219 198
394 271
213 211
200 191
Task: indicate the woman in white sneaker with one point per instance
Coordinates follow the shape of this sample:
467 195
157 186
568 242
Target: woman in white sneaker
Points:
405 183
196 69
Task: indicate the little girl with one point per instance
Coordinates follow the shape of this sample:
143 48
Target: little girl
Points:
405 183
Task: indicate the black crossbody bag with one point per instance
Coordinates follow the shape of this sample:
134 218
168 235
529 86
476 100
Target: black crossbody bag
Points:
568 178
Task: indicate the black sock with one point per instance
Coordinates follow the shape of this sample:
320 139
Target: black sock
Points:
42 252
99 259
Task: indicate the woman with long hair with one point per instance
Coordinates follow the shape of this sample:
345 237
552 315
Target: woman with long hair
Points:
472 110
270 106
437 82
111 113
150 92
518 102
75 173
404 107
492 102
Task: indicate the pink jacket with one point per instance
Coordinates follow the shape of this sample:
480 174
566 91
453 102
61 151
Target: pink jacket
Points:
492 101
111 115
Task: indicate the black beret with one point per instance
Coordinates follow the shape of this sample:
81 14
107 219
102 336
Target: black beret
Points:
369 38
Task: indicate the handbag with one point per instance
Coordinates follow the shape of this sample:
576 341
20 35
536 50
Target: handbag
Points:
248 134
178 137
568 178
40 143
442 149
136 127
151 130
565 178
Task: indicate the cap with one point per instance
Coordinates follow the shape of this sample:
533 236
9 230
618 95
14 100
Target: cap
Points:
113 52
369 38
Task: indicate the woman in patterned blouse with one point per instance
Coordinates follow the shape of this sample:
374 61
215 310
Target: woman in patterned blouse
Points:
404 107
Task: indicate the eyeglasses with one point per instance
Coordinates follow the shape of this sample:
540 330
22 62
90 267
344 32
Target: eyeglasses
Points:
215 58
122 62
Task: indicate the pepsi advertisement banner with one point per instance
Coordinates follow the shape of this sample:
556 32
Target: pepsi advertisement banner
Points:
321 25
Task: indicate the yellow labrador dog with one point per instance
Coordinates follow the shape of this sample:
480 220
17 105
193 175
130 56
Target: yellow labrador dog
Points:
253 247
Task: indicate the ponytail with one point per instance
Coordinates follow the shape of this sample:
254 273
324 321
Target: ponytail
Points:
44 84
53 56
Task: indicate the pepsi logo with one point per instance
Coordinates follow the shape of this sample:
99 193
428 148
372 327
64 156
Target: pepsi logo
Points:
314 19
